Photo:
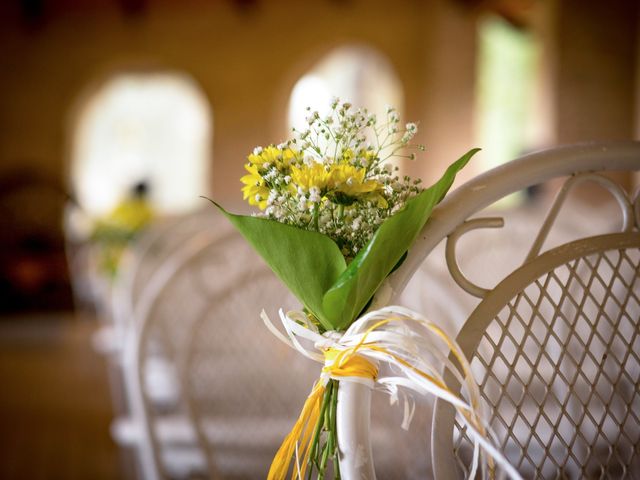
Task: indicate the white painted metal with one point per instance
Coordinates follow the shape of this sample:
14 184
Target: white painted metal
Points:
556 350
353 418
488 188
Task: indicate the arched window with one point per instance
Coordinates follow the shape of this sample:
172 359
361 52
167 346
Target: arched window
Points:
142 127
358 74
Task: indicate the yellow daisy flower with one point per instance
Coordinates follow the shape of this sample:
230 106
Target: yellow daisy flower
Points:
350 180
308 176
254 190
275 156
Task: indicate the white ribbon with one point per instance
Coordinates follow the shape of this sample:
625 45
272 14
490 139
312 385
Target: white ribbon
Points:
410 344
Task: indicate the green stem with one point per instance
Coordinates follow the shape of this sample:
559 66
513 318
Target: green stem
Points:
323 463
316 216
333 431
313 454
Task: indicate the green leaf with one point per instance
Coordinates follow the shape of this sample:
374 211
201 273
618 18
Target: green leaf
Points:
308 263
350 293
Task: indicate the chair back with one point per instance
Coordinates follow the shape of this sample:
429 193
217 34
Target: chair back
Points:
555 344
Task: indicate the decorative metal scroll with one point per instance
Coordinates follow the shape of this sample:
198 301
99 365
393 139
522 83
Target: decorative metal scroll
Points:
629 209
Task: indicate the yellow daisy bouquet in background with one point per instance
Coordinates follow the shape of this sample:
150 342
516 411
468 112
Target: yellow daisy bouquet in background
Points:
114 232
334 220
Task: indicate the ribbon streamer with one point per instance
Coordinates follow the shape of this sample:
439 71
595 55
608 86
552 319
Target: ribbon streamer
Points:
410 343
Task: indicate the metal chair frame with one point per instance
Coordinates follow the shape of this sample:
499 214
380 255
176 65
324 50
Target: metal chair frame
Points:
452 219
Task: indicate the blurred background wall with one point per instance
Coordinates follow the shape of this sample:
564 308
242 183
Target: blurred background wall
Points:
507 75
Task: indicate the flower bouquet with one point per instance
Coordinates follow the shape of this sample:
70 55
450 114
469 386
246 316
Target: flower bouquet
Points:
335 220
119 228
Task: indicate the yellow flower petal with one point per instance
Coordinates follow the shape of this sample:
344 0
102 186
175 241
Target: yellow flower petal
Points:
307 176
349 180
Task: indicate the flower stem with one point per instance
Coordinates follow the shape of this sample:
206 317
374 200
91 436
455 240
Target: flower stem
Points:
333 432
325 446
316 216
315 443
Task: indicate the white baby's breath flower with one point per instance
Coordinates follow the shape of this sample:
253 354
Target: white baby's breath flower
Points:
314 195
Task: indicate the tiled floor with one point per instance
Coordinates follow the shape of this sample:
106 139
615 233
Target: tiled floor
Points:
55 408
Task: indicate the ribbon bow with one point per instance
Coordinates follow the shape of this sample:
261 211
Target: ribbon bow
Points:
404 339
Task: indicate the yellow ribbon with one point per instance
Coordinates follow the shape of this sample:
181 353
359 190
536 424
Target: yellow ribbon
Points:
338 364
300 434
344 363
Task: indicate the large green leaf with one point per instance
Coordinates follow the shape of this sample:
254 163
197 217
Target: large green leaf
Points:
348 296
307 262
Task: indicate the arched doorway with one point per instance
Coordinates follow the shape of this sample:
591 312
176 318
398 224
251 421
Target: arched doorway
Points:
151 127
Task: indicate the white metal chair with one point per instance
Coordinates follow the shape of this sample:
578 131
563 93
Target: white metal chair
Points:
143 259
175 296
243 388
141 274
138 265
555 344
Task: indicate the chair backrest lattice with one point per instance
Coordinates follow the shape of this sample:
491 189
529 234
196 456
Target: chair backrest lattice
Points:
244 387
554 342
155 246
559 363
177 296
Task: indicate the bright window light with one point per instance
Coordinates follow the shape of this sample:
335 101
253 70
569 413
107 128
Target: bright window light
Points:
357 74
507 75
139 127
